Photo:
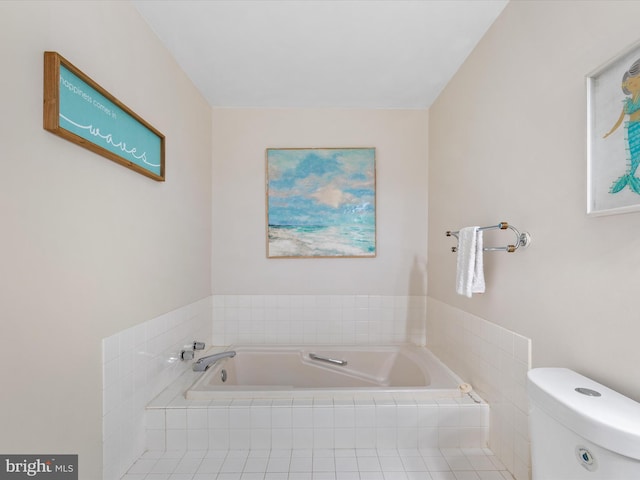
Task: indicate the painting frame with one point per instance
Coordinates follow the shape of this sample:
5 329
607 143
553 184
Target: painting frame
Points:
320 202
79 110
612 158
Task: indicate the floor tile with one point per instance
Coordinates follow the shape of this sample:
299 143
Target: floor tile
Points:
210 465
442 476
320 464
481 462
165 465
391 464
419 476
414 464
349 475
188 465
490 475
459 462
279 476
157 476
346 464
303 464
466 476
436 464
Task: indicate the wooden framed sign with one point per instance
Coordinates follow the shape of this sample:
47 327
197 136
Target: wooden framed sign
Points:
79 110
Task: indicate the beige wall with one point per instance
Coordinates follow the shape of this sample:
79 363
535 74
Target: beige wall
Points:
88 247
240 137
507 141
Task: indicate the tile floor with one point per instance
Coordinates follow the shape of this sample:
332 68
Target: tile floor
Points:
331 464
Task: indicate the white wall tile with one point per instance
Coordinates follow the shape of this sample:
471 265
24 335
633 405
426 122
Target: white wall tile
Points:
345 438
261 438
138 363
197 419
365 437
323 438
177 439
407 438
156 439
473 417
386 437
365 417
155 418
281 417
218 438
260 417
316 319
282 438
472 436
449 416
197 439
495 361
344 417
427 415
428 437
239 439
448 437
302 417
176 418
302 438
239 418
110 348
386 416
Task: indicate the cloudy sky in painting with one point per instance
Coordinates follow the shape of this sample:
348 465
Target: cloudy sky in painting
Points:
321 187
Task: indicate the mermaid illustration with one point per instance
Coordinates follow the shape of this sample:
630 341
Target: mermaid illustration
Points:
631 107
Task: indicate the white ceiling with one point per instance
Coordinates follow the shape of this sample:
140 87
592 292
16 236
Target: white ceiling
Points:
320 53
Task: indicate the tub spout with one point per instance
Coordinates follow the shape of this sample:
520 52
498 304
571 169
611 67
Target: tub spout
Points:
204 363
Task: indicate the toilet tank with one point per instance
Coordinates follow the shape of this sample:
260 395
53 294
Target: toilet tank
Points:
581 429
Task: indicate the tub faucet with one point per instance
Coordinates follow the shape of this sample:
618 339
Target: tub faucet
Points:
204 363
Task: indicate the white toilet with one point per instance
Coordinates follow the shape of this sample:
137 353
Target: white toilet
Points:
581 429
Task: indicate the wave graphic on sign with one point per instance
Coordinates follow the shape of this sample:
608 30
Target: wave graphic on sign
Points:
109 139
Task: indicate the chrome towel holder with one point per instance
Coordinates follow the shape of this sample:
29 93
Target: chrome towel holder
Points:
522 239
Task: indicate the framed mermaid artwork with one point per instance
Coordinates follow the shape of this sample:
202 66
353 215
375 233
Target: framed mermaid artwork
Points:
613 135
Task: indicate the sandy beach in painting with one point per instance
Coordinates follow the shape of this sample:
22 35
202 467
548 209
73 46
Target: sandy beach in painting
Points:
333 241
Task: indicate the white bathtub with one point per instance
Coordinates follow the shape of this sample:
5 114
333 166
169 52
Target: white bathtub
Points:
277 371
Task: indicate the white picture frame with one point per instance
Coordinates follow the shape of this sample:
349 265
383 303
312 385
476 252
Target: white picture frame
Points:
613 185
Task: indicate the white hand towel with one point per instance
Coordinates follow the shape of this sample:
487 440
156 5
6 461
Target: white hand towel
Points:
470 267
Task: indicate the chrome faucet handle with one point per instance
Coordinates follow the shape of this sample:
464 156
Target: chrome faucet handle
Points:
186 355
198 345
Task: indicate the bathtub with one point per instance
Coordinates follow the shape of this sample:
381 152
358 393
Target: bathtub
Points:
290 371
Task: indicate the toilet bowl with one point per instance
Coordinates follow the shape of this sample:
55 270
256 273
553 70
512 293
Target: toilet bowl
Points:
581 429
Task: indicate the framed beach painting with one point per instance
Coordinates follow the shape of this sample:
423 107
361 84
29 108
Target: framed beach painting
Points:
613 133
321 202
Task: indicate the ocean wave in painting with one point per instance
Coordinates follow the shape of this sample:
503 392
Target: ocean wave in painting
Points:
321 241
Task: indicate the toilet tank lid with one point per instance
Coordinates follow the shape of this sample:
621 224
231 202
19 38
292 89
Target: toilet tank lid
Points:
610 420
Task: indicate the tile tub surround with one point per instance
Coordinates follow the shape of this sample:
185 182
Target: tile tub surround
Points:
495 361
341 421
318 319
138 363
